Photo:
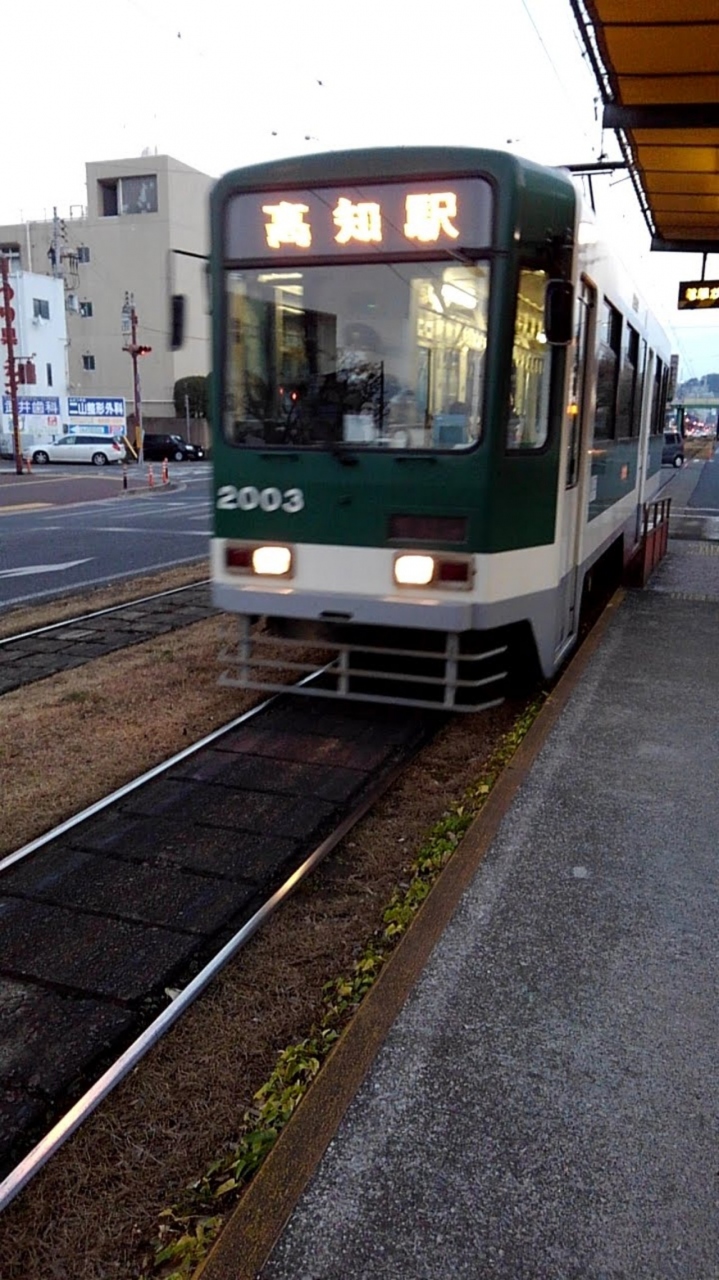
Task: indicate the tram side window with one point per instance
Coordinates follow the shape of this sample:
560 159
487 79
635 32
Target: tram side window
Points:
659 397
528 424
641 379
605 419
628 415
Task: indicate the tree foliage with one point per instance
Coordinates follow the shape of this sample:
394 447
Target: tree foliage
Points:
195 389
693 388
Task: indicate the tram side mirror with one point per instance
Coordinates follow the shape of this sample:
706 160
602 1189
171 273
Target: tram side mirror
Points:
177 321
559 312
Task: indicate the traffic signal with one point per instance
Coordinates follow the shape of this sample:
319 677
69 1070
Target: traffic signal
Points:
143 351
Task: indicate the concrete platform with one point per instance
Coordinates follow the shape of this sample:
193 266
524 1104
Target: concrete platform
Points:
544 1106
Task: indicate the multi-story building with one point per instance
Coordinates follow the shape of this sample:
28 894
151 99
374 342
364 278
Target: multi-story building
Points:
144 220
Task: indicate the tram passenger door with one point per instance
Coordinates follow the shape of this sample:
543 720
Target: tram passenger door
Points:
647 371
574 496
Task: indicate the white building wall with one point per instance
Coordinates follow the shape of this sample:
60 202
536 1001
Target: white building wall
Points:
42 340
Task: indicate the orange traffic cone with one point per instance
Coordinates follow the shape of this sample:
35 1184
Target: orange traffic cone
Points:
151 478
165 472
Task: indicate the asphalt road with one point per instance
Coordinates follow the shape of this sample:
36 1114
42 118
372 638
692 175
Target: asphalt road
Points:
705 494
63 531
694 492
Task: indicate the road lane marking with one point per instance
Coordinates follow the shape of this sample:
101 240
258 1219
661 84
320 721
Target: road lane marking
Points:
42 568
23 506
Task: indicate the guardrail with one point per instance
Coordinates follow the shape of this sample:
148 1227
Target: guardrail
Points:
652 544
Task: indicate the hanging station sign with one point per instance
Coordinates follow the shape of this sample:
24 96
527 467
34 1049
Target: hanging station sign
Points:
694 294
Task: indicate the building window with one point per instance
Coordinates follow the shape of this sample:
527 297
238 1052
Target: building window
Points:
41 308
88 363
139 195
11 251
127 195
48 374
83 253
107 191
86 309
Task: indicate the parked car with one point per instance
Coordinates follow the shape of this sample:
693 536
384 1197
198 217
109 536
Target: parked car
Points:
673 450
98 450
175 448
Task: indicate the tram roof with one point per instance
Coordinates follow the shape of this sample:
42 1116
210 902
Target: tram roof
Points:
657 65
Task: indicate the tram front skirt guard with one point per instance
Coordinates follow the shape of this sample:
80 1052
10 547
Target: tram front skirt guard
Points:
441 678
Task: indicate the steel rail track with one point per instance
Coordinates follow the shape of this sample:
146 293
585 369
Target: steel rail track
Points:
31 1164
99 613
65 645
155 772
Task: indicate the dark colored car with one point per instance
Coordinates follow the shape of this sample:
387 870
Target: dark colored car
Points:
673 450
157 447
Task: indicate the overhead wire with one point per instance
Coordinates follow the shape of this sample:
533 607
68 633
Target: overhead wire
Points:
559 77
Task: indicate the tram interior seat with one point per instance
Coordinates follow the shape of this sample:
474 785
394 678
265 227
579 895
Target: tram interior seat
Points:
449 429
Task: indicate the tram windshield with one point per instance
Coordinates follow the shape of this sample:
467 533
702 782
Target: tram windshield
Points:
376 356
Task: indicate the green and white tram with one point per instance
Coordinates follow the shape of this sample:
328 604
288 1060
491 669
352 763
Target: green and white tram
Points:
438 403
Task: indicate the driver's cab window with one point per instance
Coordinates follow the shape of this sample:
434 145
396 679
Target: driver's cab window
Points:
528 422
371 355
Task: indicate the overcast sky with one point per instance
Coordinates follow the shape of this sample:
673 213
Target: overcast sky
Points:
220 84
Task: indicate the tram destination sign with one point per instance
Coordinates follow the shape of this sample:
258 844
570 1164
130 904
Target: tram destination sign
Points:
379 219
698 293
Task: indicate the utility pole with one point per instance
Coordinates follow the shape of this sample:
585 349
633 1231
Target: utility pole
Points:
55 250
9 338
134 350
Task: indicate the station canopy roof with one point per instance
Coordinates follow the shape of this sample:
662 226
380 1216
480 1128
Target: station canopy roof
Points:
657 65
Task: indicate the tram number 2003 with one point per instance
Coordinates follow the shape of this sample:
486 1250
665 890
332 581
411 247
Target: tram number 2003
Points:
249 498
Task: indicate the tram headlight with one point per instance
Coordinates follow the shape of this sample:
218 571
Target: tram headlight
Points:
414 571
449 571
276 561
253 558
